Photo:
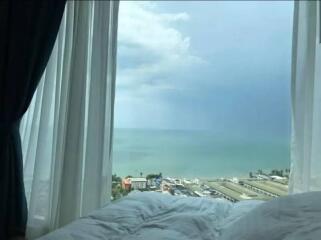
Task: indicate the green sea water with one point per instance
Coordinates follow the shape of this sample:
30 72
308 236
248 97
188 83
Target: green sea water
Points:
202 154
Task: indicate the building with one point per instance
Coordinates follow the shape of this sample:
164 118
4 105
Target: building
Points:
274 177
167 184
138 183
126 184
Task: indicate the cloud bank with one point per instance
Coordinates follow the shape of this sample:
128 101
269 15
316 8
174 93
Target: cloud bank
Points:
204 65
150 47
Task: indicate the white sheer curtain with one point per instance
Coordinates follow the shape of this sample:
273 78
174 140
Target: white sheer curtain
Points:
306 98
67 131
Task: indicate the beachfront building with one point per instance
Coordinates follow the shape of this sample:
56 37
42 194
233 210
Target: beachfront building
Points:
138 183
126 184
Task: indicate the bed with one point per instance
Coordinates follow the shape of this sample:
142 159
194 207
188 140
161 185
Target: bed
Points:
151 215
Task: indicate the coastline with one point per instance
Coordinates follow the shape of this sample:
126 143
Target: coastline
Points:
255 186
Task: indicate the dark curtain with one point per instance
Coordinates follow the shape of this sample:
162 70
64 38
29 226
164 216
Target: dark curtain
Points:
28 30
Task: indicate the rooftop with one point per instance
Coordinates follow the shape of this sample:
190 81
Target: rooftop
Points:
138 179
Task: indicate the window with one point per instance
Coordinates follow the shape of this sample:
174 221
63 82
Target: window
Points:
203 99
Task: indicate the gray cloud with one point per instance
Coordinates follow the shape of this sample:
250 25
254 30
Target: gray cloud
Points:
204 65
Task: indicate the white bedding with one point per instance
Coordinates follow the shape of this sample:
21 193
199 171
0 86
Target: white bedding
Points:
295 217
144 216
155 216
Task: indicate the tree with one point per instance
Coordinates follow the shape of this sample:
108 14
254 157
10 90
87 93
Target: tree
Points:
251 175
115 178
150 176
153 175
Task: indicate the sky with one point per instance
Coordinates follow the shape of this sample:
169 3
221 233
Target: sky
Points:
204 65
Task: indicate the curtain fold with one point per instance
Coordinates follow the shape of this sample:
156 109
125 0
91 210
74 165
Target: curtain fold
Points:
28 32
67 132
306 99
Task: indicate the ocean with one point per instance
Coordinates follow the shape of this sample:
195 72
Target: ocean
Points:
197 153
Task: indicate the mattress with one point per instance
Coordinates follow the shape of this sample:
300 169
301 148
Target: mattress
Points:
151 215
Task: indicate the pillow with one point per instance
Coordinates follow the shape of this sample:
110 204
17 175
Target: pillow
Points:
295 217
